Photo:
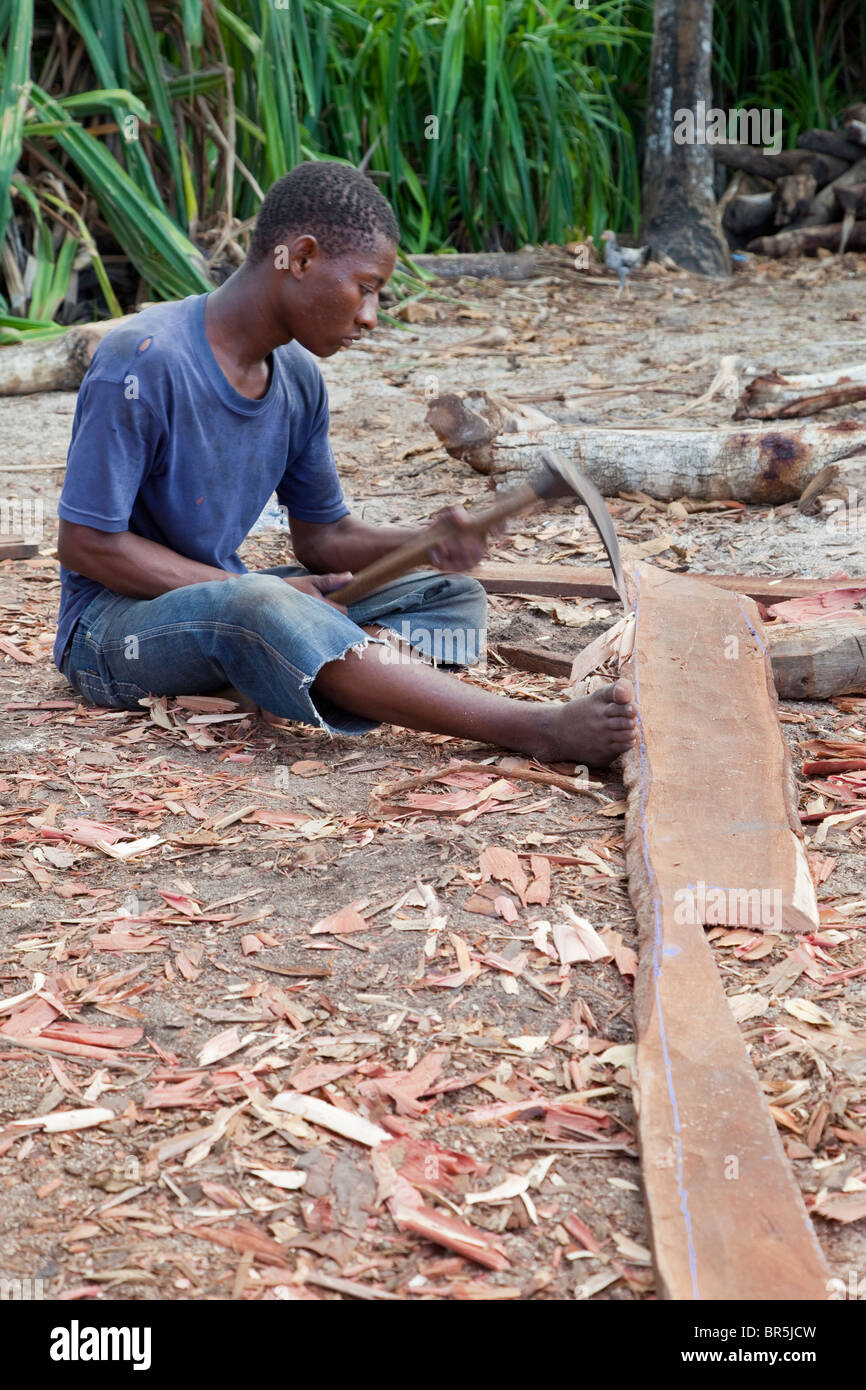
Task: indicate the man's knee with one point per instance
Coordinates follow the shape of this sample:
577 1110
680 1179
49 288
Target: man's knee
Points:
450 627
465 599
245 601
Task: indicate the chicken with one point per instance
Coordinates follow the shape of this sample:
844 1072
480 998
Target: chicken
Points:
622 259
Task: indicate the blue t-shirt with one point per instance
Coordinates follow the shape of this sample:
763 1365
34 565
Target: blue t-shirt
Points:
164 446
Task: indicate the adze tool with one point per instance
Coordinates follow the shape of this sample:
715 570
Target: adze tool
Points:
554 479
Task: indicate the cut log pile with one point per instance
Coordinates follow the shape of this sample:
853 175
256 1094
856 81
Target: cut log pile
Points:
801 201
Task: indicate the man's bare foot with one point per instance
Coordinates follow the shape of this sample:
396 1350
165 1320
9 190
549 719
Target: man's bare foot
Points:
592 729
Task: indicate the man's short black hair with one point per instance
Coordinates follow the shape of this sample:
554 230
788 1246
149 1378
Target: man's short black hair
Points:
336 204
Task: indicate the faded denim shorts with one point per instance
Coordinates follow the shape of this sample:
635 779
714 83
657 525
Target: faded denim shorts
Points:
265 638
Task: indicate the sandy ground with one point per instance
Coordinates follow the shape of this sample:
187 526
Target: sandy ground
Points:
439 1019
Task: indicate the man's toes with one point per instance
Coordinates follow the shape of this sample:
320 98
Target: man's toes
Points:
621 714
618 748
622 692
623 734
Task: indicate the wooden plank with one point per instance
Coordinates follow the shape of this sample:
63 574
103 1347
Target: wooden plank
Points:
589 581
534 659
710 801
15 549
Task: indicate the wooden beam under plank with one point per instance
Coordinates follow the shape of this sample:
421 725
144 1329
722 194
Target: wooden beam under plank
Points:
587 581
16 549
709 802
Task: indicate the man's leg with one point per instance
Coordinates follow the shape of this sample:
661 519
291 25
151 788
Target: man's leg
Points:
303 660
443 617
256 633
593 729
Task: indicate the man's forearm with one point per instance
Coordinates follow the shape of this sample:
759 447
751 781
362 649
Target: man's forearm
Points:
353 544
129 564
349 544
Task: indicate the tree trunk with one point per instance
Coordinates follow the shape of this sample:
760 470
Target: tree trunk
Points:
792 197
751 160
680 215
825 205
749 465
839 491
853 199
483 265
829 142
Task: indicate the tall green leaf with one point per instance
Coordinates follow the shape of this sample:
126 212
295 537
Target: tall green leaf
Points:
13 101
156 247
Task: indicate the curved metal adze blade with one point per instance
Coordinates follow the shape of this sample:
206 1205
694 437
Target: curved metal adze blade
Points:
599 515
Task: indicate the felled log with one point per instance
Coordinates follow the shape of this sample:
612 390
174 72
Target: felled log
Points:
823 167
748 465
825 207
778 397
465 432
55 364
485 265
829 142
840 488
792 197
711 834
819 660
748 212
804 241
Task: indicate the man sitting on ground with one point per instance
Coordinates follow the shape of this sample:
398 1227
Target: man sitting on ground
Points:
189 418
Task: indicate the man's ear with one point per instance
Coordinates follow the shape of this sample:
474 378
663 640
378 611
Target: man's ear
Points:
303 253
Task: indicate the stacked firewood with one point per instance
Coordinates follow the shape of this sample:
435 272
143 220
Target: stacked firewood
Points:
799 201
